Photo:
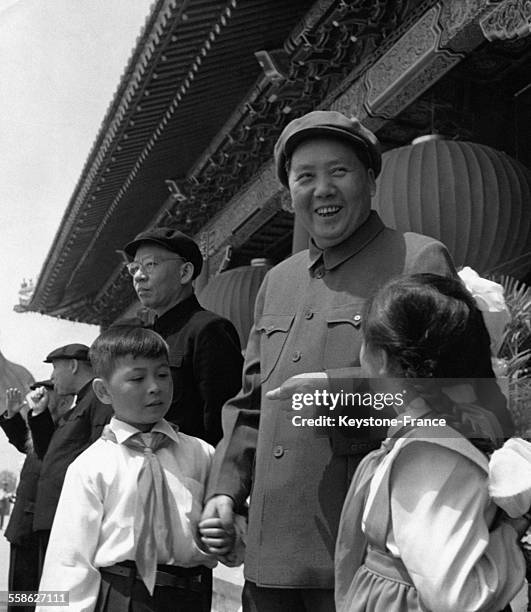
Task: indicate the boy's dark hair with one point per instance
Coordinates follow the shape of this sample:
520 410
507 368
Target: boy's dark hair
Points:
123 340
429 326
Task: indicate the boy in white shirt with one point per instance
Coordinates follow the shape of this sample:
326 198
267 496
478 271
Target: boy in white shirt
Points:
125 532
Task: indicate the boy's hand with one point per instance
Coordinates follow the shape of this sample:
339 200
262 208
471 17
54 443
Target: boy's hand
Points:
216 539
218 516
14 402
38 400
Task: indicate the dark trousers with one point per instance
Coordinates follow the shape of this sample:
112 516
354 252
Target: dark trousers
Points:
23 571
262 599
43 537
129 594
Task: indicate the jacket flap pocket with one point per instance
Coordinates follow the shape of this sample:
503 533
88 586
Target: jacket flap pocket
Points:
176 361
343 335
270 323
351 313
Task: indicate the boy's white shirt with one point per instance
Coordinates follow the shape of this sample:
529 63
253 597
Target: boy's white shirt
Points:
94 522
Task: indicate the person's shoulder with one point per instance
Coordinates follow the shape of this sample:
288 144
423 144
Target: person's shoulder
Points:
195 445
92 408
96 454
412 239
86 401
420 240
293 262
289 268
206 317
442 447
207 324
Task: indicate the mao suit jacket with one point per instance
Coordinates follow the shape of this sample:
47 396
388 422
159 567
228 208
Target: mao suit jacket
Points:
307 319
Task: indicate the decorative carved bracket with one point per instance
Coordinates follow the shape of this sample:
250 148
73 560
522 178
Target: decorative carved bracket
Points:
510 20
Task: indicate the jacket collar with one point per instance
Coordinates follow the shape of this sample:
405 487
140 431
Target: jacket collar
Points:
83 391
336 255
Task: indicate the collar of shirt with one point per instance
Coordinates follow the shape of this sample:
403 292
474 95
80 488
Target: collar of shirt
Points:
82 392
181 311
336 255
123 431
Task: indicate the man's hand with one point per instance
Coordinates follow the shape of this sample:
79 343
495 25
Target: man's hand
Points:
38 400
301 383
217 525
14 402
216 539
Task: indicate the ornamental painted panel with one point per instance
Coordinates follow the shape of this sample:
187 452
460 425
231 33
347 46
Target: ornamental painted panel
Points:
405 59
510 20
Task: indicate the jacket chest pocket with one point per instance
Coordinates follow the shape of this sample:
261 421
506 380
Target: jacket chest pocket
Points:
343 335
274 330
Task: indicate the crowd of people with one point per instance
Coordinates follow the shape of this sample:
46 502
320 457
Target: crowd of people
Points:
160 451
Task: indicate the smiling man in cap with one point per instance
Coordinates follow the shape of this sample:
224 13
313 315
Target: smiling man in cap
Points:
307 320
205 353
57 444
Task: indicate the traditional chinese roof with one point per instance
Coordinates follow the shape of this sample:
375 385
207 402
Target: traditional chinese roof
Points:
197 113
192 65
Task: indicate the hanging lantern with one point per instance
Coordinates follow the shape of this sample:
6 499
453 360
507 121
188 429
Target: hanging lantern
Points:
232 294
474 199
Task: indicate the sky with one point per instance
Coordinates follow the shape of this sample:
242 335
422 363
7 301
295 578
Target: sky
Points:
60 65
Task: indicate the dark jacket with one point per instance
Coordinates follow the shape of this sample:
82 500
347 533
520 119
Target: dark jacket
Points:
20 527
206 364
75 431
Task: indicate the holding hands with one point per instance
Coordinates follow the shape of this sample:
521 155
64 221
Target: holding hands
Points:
217 525
222 531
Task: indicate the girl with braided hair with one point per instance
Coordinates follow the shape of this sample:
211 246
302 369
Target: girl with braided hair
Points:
418 531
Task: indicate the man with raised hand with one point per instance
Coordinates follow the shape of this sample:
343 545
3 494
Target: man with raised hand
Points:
58 444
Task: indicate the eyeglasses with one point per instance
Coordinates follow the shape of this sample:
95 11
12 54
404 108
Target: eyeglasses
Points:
147 266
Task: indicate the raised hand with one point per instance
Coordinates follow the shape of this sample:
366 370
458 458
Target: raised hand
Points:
14 401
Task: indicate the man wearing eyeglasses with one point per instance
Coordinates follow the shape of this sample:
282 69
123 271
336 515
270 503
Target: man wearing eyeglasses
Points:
205 353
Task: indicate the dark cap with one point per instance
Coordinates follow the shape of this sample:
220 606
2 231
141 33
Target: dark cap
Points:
170 239
70 351
42 383
331 124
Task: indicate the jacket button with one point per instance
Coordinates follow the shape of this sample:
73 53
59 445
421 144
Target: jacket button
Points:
308 314
278 451
295 356
357 320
